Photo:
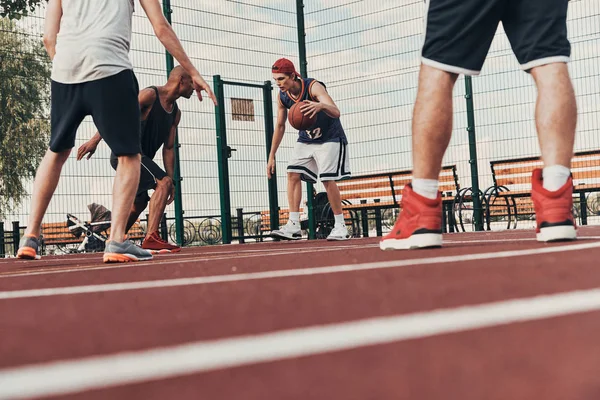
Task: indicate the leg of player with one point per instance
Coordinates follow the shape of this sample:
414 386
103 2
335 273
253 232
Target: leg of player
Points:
556 119
138 207
291 230
432 121
46 180
158 202
339 231
124 190
432 130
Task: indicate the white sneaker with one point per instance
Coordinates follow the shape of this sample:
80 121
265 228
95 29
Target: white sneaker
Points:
290 231
339 232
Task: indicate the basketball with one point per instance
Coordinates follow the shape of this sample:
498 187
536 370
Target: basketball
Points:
299 120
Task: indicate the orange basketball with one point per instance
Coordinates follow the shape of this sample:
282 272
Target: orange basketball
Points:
299 120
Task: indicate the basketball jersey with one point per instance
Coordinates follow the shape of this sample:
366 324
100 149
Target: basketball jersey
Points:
94 40
156 127
326 129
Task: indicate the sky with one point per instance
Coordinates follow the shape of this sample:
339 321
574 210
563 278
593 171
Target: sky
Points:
367 53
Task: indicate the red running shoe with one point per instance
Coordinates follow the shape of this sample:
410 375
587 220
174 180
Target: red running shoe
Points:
419 224
156 245
553 210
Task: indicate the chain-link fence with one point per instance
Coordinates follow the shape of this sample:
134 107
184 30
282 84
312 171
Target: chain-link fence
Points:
366 52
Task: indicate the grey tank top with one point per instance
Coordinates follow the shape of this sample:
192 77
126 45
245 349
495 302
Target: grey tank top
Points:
93 41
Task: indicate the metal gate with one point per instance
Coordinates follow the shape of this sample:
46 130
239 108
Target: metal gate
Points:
244 121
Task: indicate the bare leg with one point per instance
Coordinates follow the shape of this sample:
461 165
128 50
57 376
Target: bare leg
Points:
124 189
555 113
46 180
136 210
294 189
432 121
333 195
158 203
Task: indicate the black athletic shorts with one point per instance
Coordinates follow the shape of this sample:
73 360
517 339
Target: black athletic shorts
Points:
113 104
149 175
459 33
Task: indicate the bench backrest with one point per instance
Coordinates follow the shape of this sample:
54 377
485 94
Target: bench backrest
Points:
265 219
387 188
516 174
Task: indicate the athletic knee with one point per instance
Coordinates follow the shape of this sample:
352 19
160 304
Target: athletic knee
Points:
129 159
329 184
436 79
59 157
550 75
294 177
165 184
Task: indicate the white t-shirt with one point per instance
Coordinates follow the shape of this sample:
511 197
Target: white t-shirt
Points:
93 41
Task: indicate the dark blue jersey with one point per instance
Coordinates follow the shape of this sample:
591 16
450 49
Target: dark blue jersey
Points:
326 129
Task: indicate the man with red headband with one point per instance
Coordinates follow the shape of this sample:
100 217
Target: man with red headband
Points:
457 39
320 152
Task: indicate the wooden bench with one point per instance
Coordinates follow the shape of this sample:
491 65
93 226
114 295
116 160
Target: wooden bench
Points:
58 234
265 219
381 192
510 195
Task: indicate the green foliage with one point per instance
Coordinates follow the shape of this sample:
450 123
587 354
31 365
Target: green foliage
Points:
15 9
24 109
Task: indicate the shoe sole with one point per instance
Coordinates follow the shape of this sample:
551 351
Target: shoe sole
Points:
162 251
557 234
423 241
123 258
338 238
27 253
276 236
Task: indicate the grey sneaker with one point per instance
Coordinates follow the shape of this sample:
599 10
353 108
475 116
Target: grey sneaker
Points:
290 231
28 248
115 252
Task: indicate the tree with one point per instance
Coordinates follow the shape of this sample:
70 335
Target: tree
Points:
15 9
24 98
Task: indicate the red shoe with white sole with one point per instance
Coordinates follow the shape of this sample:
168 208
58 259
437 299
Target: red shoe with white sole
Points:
156 245
553 210
419 224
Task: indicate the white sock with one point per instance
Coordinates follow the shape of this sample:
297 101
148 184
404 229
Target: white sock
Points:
339 219
426 187
295 217
555 177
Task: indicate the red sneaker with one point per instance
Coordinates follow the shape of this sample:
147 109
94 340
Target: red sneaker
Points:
419 224
155 244
553 210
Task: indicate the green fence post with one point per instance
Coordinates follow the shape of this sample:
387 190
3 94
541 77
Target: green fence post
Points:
477 211
273 196
16 236
2 247
177 172
312 232
222 157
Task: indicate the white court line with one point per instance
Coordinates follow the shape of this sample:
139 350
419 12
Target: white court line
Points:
231 255
159 261
72 376
164 283
71 257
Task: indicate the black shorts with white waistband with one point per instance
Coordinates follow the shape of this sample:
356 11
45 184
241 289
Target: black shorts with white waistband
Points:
459 33
113 104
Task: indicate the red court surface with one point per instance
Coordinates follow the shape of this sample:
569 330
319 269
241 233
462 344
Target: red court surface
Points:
493 315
